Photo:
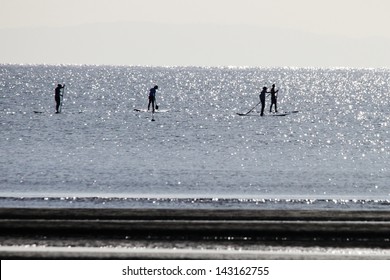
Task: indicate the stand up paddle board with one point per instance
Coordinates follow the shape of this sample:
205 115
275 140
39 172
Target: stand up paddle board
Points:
258 115
146 111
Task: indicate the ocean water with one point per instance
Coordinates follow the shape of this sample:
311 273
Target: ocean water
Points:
198 153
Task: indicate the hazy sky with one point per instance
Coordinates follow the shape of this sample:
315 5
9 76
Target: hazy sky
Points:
351 21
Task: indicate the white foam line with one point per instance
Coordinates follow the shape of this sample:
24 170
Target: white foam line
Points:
220 253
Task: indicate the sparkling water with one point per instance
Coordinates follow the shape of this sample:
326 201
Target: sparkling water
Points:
100 152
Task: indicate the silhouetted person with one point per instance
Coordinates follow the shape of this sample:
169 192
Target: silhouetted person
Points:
152 97
57 96
262 100
274 98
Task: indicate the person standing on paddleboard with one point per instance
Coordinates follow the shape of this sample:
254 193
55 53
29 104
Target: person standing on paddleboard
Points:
152 97
57 96
262 100
274 98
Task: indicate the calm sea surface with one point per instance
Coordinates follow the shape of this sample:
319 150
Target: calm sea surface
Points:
198 153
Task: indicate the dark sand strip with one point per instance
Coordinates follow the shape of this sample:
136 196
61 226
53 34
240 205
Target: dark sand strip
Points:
224 228
370 223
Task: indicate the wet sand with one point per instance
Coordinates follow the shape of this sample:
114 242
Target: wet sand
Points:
193 234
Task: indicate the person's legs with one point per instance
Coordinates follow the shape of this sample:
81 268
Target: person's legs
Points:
262 108
58 102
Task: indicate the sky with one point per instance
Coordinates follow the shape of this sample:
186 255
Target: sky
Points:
264 33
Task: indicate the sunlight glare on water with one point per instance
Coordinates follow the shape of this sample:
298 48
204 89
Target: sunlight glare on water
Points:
335 147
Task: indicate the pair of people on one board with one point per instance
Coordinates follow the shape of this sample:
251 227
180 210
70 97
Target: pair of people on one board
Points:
57 96
274 98
152 98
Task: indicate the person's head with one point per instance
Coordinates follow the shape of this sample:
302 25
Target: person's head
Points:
273 85
59 85
155 87
264 88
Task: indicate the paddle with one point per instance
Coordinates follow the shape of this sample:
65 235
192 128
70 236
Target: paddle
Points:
155 100
153 111
249 110
62 99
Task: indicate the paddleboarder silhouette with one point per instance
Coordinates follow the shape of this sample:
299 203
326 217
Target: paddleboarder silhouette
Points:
57 96
274 98
262 100
152 98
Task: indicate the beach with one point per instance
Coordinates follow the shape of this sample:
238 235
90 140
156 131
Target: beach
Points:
193 234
